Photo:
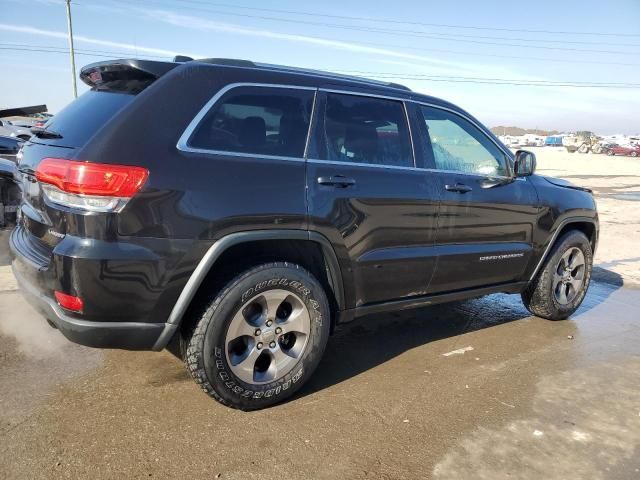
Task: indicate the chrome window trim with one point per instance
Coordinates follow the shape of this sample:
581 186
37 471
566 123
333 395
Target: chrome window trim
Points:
183 141
360 164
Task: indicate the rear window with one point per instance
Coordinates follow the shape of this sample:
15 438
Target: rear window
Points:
257 120
83 117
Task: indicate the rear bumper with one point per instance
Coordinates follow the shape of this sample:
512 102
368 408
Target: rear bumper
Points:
37 283
124 335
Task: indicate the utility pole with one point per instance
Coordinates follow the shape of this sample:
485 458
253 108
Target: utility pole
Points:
71 51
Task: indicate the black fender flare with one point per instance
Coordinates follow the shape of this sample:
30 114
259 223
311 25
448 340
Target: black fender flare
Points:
556 231
220 246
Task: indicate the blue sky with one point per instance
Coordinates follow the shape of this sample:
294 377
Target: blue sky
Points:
443 48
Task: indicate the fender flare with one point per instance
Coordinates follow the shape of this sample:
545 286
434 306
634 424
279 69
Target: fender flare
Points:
554 237
220 246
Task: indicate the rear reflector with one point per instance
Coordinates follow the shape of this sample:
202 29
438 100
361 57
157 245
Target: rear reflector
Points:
69 302
100 187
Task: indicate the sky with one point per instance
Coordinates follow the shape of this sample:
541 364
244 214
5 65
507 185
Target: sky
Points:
507 63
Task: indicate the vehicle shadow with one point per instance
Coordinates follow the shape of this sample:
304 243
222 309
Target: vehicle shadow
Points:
375 339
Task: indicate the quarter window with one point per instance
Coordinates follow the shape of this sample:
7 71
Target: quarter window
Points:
257 120
367 130
458 145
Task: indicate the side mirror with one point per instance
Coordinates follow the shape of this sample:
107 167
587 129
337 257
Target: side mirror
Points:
524 164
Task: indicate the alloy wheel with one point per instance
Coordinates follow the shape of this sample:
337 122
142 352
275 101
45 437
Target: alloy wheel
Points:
267 336
569 276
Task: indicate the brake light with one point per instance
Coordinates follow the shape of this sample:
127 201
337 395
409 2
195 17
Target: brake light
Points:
97 187
69 302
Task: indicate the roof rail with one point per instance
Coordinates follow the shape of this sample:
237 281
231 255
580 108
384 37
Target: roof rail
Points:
231 62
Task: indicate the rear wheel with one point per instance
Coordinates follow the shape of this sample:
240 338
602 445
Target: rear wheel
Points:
260 338
560 287
610 152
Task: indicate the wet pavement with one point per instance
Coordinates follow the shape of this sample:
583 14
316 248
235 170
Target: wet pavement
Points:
476 389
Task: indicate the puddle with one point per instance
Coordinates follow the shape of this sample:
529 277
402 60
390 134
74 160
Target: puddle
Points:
629 196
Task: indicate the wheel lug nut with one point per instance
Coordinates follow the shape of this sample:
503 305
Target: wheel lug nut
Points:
278 331
259 345
258 332
269 323
272 345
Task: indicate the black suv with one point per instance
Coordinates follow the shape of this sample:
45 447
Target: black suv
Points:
235 212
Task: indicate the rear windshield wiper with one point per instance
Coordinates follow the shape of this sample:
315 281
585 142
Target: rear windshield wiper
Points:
44 133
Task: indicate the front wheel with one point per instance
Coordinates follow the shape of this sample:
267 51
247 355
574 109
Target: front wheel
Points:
634 154
559 288
610 153
261 337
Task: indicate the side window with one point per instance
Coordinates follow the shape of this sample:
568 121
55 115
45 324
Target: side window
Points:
368 130
257 120
458 145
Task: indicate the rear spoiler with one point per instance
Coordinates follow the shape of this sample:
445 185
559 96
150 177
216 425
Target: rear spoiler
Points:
126 75
22 111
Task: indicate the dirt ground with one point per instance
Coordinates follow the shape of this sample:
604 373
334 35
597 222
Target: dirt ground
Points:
472 390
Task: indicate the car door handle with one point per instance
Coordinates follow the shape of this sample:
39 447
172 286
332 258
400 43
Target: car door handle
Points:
458 187
337 181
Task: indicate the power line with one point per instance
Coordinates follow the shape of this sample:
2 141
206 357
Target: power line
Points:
164 57
420 75
112 54
489 55
403 77
77 52
522 84
401 33
108 53
406 22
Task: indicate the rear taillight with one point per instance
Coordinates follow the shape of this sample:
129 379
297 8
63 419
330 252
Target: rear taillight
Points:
96 187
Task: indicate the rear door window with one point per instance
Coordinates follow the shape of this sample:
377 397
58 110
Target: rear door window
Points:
369 130
257 120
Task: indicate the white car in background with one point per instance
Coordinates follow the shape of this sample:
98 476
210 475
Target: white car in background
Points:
8 129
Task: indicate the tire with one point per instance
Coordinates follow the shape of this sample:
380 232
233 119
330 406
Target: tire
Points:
634 154
543 296
238 358
610 153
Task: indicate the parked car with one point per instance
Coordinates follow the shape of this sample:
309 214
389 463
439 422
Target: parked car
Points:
632 150
9 148
7 129
271 206
9 189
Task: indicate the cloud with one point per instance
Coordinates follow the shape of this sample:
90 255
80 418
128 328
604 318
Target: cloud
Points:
193 22
25 29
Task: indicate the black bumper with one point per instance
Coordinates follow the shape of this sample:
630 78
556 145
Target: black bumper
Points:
124 335
32 268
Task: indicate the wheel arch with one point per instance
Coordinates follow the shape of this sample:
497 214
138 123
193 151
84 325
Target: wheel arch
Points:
227 249
586 225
